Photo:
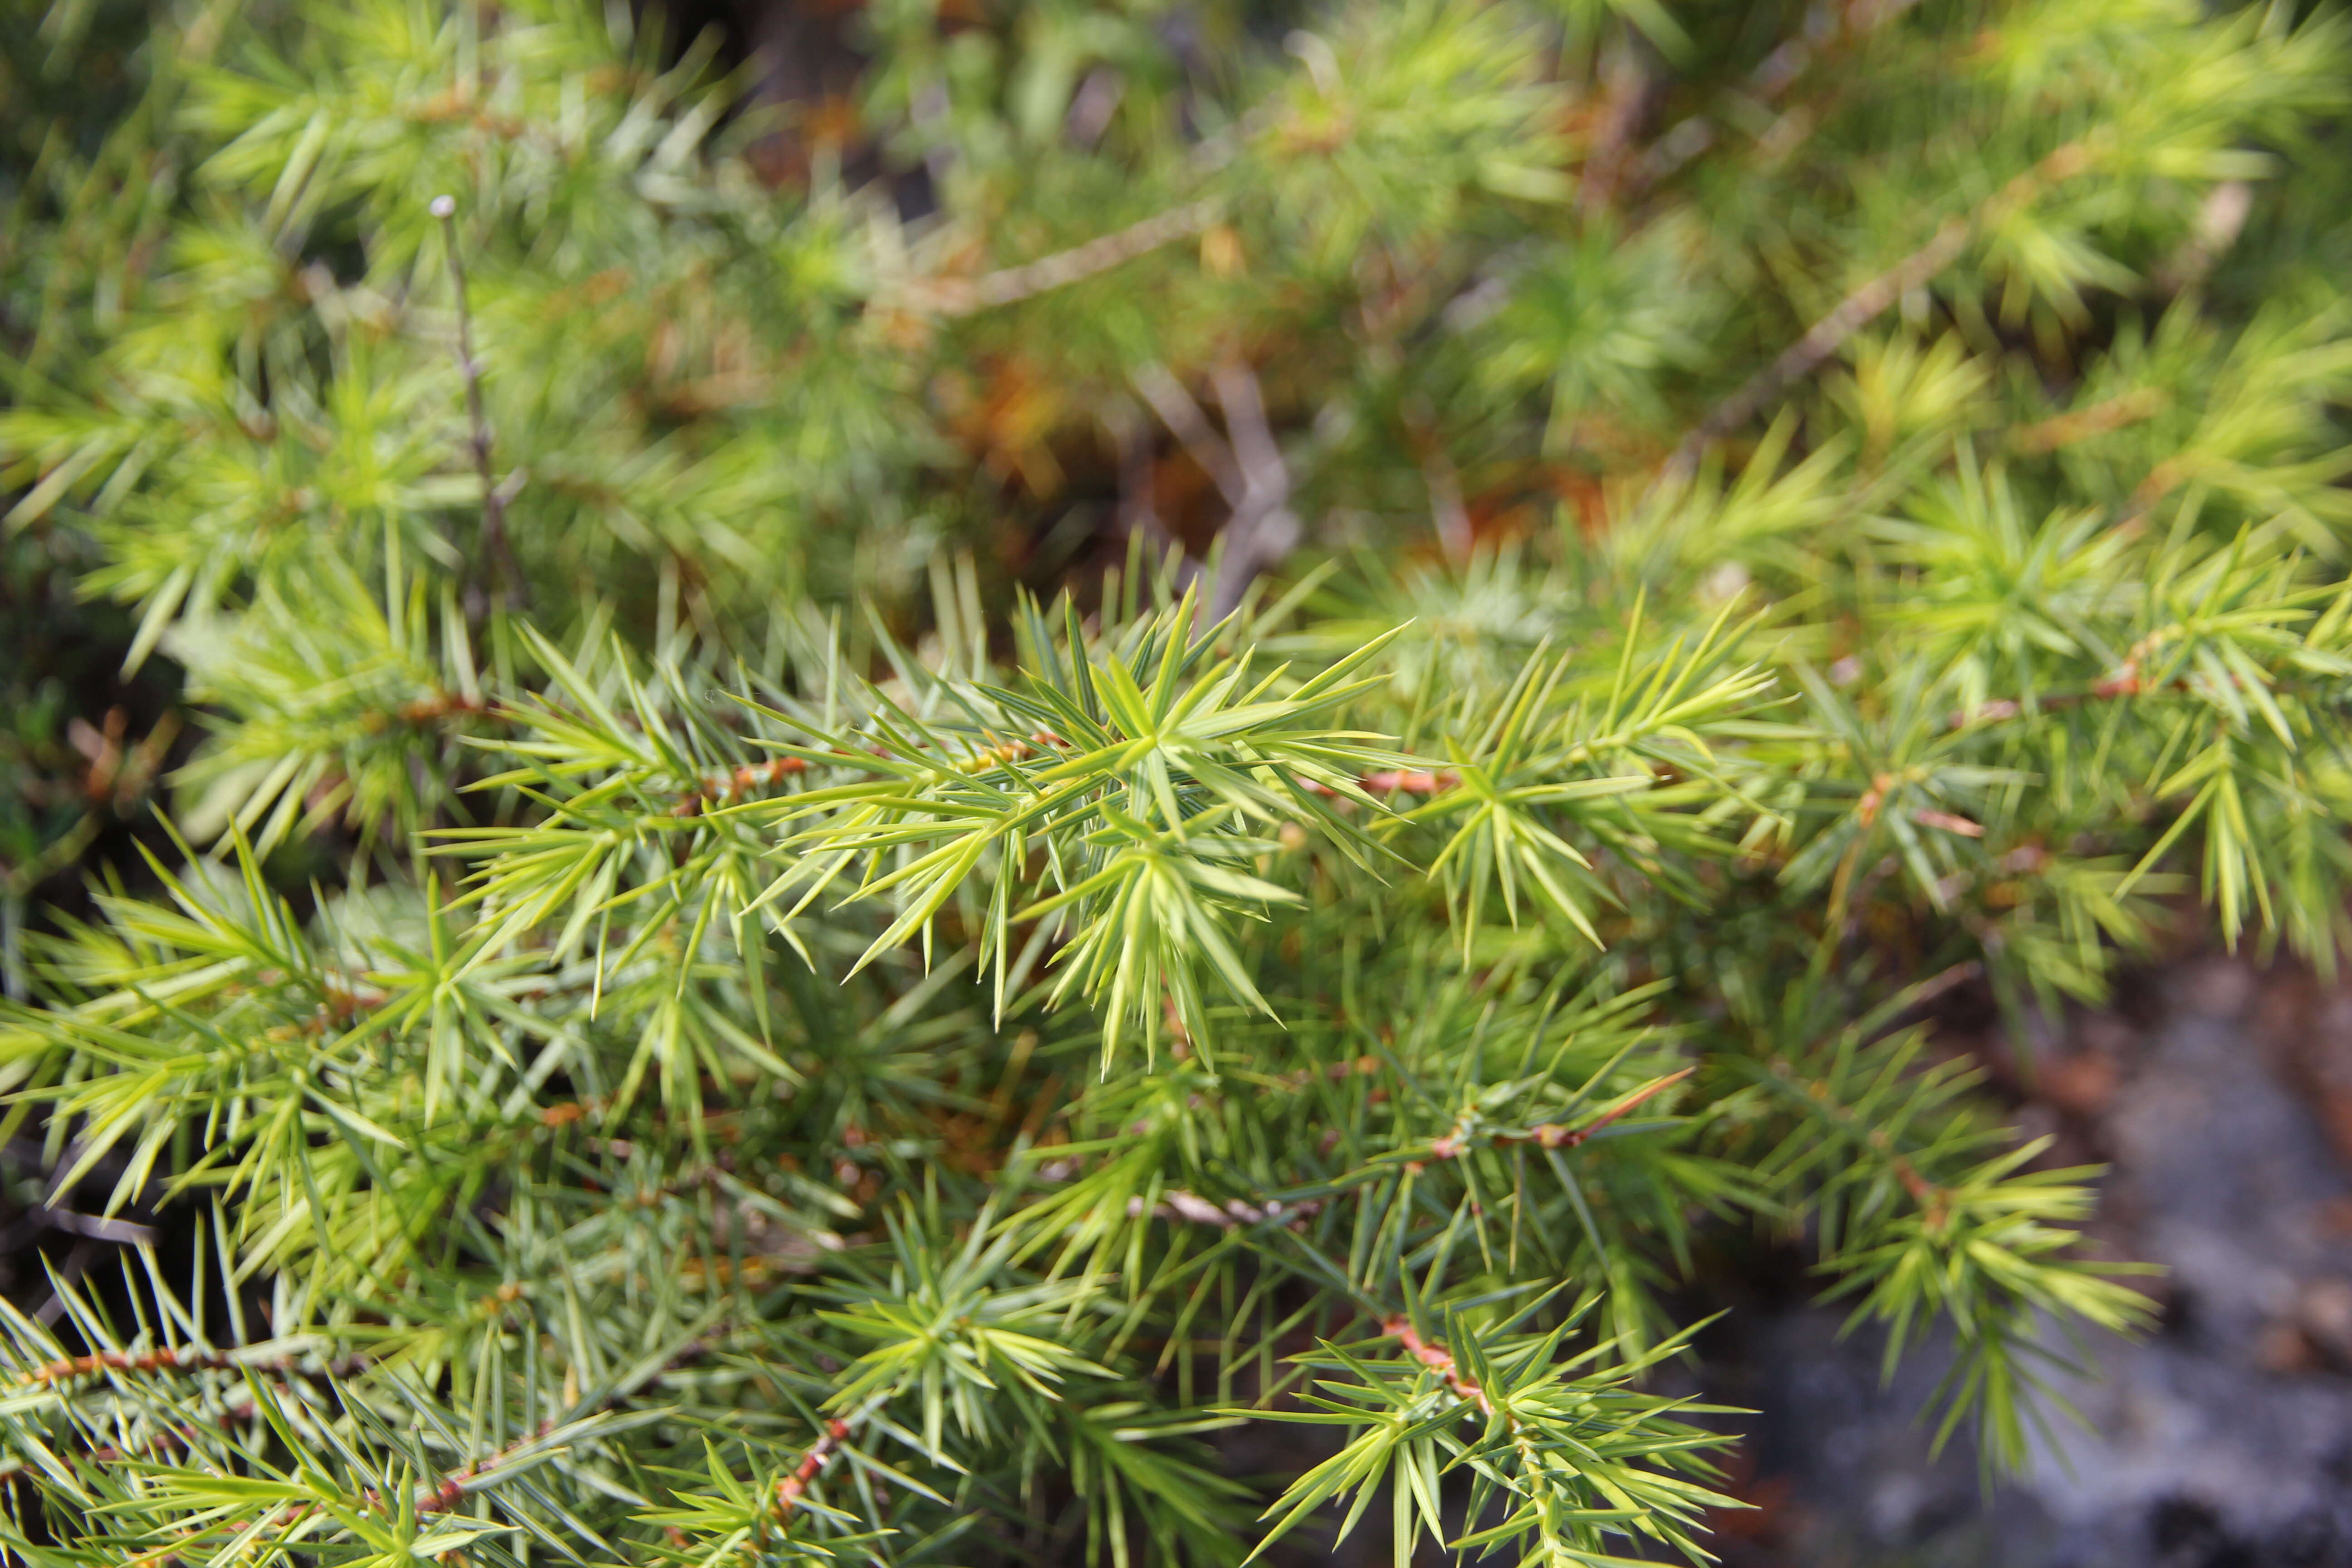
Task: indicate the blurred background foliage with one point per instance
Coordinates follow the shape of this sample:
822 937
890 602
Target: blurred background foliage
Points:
775 273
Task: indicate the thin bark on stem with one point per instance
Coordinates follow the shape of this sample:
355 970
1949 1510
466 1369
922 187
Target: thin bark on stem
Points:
1625 92
506 583
1824 337
452 1489
1248 466
1263 528
1439 1360
1871 300
731 785
1181 414
1176 1204
169 1359
962 296
1138 513
1551 1136
1849 26
820 1454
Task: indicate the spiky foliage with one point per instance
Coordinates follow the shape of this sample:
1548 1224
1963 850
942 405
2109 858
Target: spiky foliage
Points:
673 1044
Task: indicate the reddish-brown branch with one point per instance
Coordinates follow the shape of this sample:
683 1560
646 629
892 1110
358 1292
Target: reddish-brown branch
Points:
443 705
1178 1205
1551 1136
165 1362
1960 973
1393 781
1406 781
450 1491
1849 26
2066 429
740 782
1624 97
1875 297
962 296
1439 1360
820 1454
156 1361
2125 680
1933 1200
1333 1072
1192 1208
1873 798
170 1360
342 999
506 574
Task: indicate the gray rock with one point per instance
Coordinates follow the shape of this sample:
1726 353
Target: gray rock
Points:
2224 1441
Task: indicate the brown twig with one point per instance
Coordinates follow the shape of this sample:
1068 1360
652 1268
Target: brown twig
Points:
443 705
1867 303
2066 429
1182 414
440 1496
1393 781
1774 75
1176 1205
1825 337
184 1437
1246 465
506 577
820 1454
170 1360
1551 1136
1934 1201
451 1489
2125 680
1625 95
737 782
961 296
1928 990
1439 1360
1139 510
2219 221
1456 538
1263 528
1867 806
166 1360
